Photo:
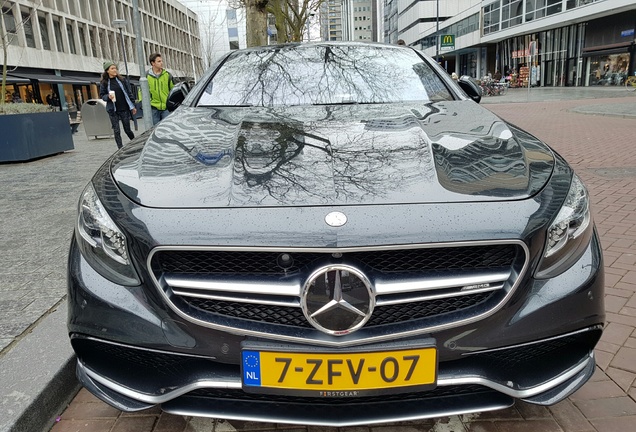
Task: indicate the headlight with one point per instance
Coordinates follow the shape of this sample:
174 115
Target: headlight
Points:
101 242
569 233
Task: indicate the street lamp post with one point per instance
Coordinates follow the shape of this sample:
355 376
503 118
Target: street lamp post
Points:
143 81
437 34
121 24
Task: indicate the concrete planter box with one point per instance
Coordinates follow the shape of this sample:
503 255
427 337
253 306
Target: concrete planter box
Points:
31 136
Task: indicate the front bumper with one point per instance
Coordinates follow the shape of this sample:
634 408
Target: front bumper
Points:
198 386
134 352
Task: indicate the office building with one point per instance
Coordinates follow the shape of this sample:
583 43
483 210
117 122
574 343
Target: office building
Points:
57 47
531 42
222 28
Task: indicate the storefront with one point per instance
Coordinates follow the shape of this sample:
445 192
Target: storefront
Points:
63 91
549 58
609 50
18 90
468 63
599 52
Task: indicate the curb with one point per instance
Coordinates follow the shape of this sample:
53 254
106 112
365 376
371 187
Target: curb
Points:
38 376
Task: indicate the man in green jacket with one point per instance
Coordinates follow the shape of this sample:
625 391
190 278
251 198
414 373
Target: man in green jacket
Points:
160 82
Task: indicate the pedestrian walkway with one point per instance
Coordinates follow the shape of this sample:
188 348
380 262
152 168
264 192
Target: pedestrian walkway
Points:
625 106
38 210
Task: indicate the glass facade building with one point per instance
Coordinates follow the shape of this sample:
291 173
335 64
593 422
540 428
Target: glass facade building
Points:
535 42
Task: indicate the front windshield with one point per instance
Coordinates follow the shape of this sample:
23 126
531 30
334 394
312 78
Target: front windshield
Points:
323 75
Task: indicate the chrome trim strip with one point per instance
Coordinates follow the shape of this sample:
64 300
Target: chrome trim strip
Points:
334 250
243 287
526 344
520 394
263 301
386 288
388 417
151 399
381 302
339 342
292 289
236 384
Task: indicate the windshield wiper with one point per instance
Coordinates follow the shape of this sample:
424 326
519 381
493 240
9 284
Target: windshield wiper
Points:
224 106
348 103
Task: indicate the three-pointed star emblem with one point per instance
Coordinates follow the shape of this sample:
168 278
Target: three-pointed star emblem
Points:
337 299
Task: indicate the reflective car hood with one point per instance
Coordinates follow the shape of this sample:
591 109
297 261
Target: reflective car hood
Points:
332 155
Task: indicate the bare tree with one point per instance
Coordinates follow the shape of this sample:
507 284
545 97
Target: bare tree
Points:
256 21
290 18
9 26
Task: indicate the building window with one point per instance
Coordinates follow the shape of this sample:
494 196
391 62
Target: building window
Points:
535 9
554 6
491 17
9 25
28 29
234 45
82 44
103 43
232 32
92 31
511 13
44 32
61 5
57 29
71 38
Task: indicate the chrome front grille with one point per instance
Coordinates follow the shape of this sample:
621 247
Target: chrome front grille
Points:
255 263
421 287
382 315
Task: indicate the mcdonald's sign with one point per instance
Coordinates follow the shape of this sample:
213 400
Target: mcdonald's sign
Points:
447 42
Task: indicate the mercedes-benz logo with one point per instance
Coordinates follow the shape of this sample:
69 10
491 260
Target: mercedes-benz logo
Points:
336 219
337 299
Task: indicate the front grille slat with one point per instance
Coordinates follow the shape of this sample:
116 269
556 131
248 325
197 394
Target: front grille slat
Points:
422 267
404 261
382 315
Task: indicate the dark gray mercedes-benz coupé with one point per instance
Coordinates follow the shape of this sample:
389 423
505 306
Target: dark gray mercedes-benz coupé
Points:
333 234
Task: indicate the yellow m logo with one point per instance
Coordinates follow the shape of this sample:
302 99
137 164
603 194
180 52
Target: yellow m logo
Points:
448 39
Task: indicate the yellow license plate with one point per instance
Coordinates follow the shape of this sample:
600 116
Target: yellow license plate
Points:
339 373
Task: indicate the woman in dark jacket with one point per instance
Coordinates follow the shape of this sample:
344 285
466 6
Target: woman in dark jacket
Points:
115 91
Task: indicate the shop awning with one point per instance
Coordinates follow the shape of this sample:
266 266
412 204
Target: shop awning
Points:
54 79
83 79
16 80
606 52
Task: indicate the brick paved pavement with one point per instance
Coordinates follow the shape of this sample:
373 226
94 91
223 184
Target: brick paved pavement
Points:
602 150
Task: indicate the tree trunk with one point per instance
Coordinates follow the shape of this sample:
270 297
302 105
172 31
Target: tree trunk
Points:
256 22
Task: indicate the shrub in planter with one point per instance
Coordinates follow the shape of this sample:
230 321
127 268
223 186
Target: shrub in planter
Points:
23 108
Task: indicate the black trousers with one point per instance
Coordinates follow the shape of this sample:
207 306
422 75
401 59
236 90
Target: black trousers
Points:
124 117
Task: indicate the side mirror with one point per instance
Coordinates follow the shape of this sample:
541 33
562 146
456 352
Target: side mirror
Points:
177 95
470 87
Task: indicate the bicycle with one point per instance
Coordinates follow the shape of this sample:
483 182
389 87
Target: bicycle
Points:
630 83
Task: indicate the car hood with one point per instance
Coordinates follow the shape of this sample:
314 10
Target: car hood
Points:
453 151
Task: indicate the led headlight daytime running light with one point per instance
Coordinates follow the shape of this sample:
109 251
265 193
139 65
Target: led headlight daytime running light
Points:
572 220
101 242
569 233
